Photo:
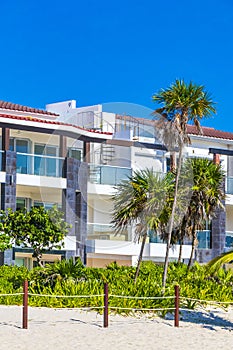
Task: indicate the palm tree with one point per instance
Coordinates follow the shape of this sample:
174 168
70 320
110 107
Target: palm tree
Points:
181 103
140 201
207 195
215 264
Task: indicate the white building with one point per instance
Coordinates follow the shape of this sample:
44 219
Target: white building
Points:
74 157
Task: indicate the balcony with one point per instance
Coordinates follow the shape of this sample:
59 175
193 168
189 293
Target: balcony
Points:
32 164
108 175
203 238
106 232
229 185
229 240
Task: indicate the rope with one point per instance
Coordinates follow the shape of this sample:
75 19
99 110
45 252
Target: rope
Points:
139 309
207 301
131 297
66 296
5 295
78 308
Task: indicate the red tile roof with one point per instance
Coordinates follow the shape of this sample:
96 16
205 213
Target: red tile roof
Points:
54 122
192 130
210 132
17 107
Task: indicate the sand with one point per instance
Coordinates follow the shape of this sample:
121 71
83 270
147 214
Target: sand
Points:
74 329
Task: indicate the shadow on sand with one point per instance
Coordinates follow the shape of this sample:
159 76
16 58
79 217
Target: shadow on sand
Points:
210 320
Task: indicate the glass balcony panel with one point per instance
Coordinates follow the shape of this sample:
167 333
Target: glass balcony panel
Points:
23 164
203 239
106 232
229 185
108 175
51 167
122 174
229 239
39 165
154 238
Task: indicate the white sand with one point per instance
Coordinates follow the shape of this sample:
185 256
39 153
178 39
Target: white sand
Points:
74 329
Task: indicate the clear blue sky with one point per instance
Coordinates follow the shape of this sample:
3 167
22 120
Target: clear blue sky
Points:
101 51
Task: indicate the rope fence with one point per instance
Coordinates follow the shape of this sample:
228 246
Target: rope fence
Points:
106 307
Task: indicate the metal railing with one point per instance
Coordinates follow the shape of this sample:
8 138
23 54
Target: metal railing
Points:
108 175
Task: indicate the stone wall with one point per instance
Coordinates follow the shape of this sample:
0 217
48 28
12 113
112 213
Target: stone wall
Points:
74 202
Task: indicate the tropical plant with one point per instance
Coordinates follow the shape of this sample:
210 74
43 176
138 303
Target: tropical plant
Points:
207 196
140 201
64 270
181 103
215 264
38 229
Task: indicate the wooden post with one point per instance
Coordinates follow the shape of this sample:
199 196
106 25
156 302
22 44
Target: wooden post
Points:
177 302
25 304
105 305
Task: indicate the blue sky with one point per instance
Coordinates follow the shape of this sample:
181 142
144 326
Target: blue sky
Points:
99 51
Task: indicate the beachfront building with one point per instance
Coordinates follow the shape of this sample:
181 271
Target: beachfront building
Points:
74 157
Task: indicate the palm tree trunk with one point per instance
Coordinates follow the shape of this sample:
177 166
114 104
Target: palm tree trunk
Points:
193 246
181 249
140 256
171 222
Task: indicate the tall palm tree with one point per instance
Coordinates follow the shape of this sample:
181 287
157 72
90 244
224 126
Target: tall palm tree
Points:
181 103
207 196
140 201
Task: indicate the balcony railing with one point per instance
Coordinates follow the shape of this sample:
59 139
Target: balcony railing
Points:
108 175
106 232
229 185
33 164
229 240
203 238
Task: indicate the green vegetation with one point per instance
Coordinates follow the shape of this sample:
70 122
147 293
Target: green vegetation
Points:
38 228
68 278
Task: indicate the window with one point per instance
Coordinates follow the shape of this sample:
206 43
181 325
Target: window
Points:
21 146
75 153
46 205
22 203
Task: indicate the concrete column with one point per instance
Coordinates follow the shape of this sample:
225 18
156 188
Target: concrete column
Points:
86 152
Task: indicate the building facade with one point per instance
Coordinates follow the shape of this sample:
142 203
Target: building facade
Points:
75 157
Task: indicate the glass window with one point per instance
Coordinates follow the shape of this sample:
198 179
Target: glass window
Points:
75 153
20 203
21 146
